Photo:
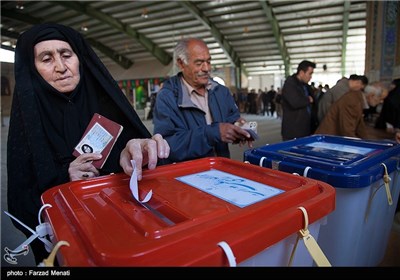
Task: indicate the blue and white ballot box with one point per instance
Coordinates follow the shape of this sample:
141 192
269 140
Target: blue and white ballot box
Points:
365 175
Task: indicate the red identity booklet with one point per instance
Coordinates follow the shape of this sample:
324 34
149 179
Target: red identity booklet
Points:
99 137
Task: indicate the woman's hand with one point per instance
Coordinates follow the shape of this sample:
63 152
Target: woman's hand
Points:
143 151
82 167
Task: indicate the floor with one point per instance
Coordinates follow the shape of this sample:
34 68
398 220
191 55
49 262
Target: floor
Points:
269 132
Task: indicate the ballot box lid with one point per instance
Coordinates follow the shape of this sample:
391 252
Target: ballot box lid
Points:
344 162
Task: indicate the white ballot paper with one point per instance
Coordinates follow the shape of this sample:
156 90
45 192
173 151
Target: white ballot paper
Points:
231 188
133 185
341 148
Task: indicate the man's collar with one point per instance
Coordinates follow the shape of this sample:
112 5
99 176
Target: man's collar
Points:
191 89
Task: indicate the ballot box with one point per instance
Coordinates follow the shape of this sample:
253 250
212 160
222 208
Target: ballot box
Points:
365 176
206 212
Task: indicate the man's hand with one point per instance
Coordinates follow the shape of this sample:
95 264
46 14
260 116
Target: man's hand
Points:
143 151
231 133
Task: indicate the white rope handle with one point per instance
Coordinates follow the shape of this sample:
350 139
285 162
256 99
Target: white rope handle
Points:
261 161
228 252
305 173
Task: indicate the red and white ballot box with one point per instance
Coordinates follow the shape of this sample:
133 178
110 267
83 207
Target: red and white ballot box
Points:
205 212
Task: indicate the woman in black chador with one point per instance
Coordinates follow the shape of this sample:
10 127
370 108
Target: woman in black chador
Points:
59 84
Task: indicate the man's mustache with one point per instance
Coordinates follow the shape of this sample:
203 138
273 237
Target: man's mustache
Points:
203 74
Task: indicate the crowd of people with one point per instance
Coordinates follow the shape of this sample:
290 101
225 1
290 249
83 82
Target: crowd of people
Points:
263 102
60 83
341 110
305 109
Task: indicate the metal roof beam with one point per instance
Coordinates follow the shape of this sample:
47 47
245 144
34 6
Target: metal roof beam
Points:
7 13
226 47
118 58
10 34
278 35
7 48
164 57
346 13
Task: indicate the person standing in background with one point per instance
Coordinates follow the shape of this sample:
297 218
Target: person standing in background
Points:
346 116
389 117
195 114
344 85
278 101
271 94
297 101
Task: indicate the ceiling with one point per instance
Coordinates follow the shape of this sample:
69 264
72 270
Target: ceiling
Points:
260 37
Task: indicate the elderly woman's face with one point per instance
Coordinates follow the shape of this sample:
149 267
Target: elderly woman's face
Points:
57 64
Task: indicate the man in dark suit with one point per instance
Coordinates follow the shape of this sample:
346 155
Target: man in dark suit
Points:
297 102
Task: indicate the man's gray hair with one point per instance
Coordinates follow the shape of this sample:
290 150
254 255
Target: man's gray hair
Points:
181 49
181 52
